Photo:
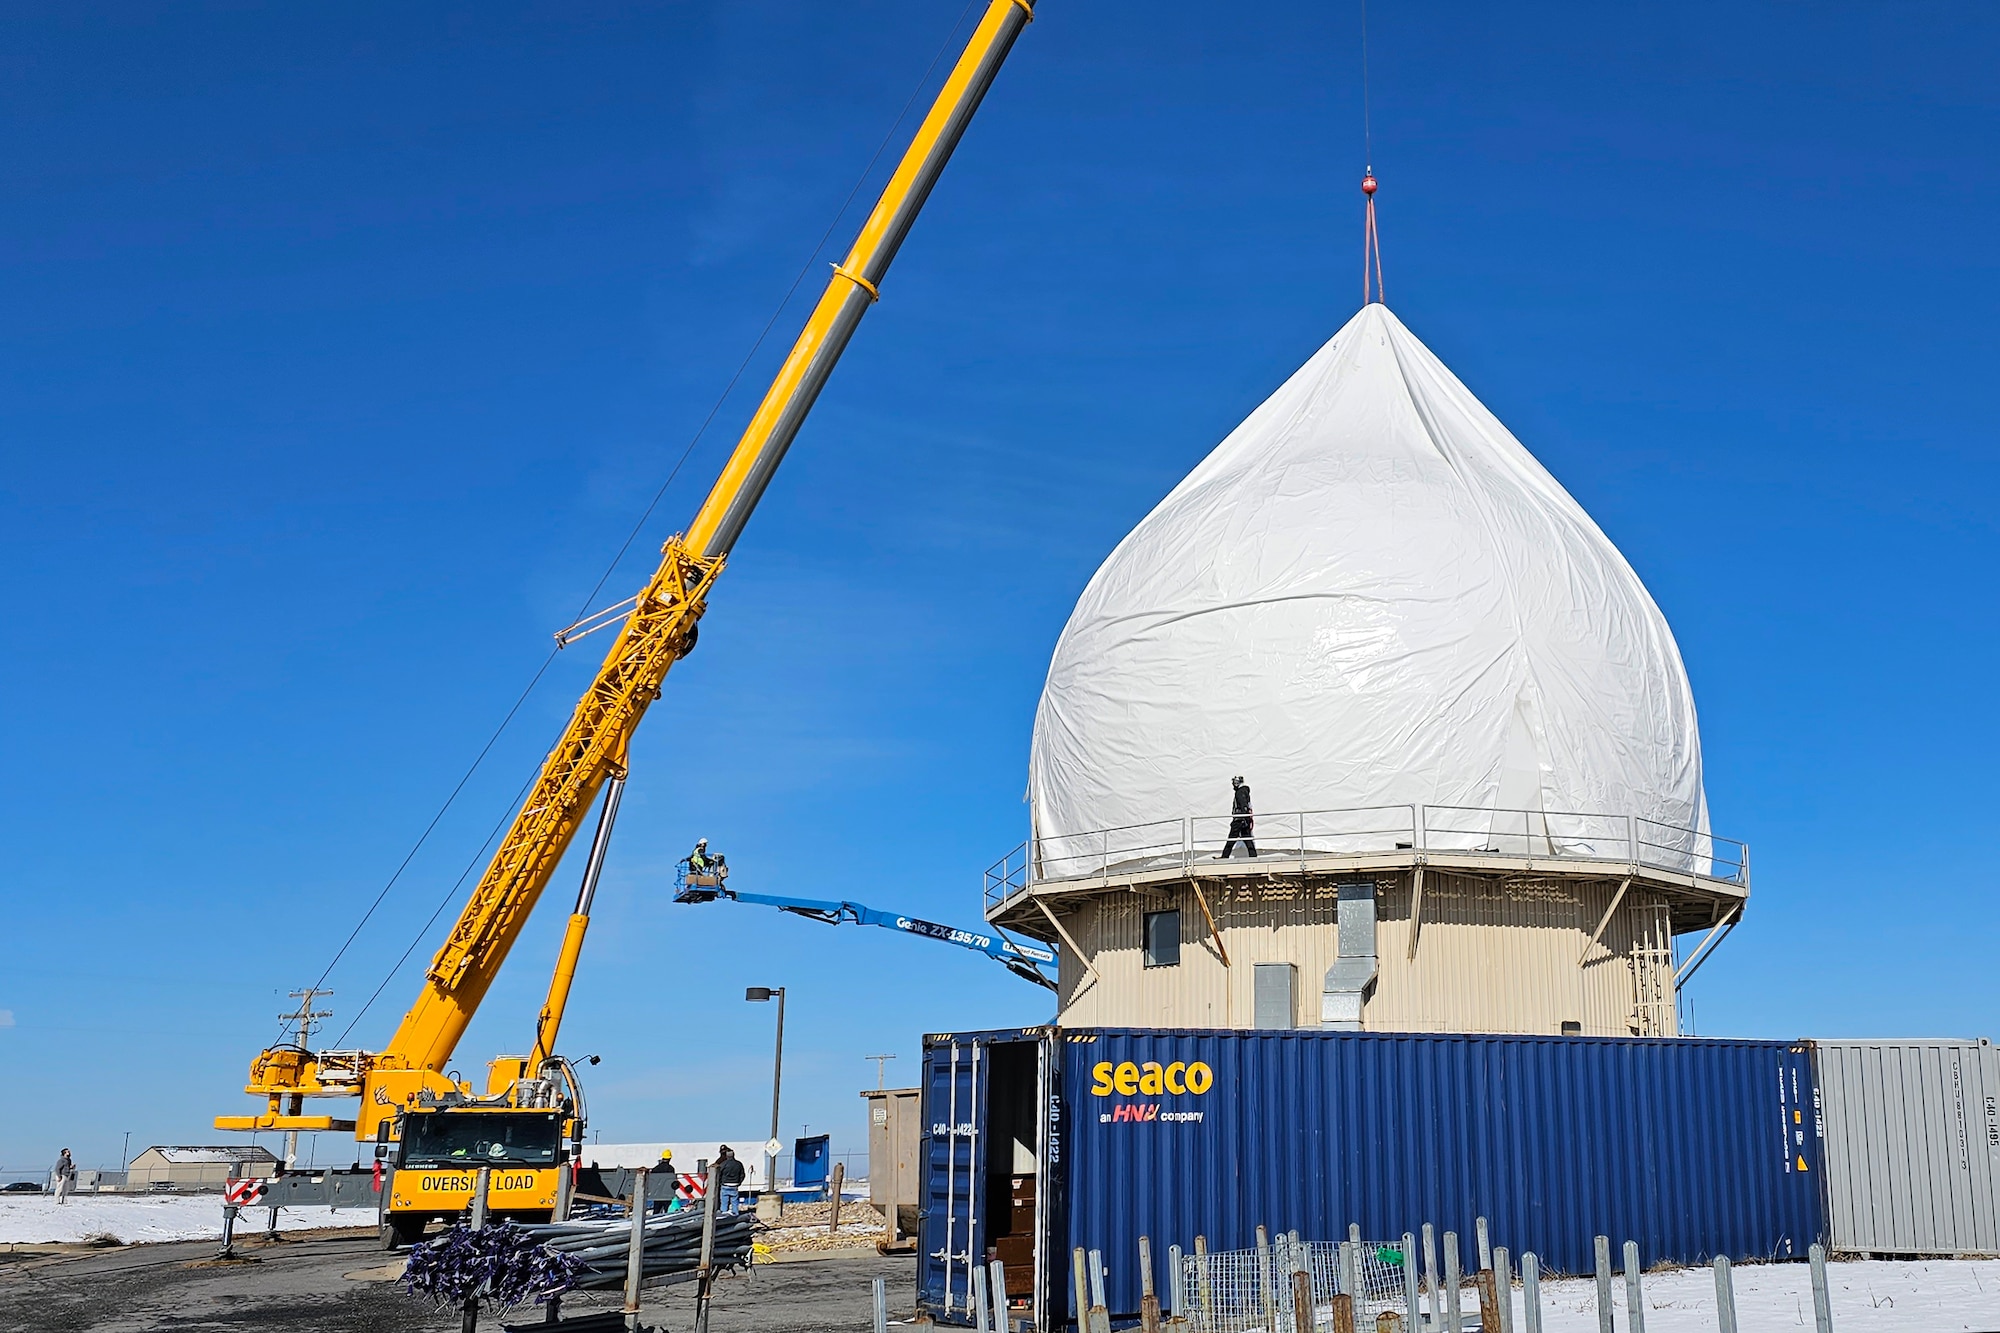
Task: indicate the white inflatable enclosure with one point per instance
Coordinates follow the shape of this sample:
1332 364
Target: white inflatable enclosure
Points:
1369 595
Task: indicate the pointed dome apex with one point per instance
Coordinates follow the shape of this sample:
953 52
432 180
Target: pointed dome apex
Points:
1369 594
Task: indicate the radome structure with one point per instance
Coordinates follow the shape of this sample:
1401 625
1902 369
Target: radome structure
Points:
1468 733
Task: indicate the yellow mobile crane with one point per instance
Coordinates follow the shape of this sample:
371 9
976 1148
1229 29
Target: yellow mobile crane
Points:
442 1129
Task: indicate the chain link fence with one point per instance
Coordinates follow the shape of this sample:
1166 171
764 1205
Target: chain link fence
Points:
1251 1291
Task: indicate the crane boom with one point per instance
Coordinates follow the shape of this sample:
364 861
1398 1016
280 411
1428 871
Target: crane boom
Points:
659 630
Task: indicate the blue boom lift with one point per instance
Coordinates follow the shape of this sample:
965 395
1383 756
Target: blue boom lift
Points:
1023 960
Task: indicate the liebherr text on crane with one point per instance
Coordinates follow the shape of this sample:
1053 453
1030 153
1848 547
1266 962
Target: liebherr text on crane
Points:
527 1122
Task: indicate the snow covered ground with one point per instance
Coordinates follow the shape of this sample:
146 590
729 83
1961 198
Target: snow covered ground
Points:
1915 1296
1880 1296
38 1219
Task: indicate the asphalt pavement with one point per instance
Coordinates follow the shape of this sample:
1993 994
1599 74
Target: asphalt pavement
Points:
342 1282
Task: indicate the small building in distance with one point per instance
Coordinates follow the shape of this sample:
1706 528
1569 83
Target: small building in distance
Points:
195 1167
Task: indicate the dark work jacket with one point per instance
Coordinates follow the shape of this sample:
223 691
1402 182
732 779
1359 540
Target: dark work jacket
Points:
730 1172
1242 806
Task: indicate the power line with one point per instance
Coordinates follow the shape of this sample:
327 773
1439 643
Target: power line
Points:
429 828
506 815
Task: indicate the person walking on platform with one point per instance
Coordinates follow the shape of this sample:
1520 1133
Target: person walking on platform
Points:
1242 823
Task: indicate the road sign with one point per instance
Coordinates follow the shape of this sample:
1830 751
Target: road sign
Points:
773 1147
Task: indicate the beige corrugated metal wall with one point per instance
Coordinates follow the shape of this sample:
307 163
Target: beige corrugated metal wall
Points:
1492 956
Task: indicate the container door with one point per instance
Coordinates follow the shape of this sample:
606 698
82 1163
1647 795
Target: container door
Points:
954 1164
1048 1154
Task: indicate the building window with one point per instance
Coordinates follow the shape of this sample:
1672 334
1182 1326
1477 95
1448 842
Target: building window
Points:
1163 939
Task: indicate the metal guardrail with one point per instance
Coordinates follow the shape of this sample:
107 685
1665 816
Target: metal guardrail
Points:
1302 835
335 1189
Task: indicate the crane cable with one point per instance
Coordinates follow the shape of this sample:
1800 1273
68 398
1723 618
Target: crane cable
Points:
623 549
1367 131
1371 240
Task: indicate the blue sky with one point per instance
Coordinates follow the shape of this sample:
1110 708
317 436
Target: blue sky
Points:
339 351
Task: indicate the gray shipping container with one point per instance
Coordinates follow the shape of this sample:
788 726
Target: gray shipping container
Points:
1912 1145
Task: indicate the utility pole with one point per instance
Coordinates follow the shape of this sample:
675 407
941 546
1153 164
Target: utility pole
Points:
303 1019
881 1062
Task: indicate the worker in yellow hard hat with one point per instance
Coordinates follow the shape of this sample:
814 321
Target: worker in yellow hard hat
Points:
664 1196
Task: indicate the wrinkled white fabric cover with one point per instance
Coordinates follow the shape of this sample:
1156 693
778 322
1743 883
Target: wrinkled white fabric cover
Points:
1369 594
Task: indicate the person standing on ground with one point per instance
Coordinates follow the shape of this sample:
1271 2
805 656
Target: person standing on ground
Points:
65 1176
729 1174
1242 823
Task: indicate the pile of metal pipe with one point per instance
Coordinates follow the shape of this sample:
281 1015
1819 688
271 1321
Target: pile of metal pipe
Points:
672 1245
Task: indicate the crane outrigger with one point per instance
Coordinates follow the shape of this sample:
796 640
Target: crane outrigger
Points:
442 1128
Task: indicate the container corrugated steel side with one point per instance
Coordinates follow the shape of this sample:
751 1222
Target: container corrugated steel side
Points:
1912 1147
1689 1147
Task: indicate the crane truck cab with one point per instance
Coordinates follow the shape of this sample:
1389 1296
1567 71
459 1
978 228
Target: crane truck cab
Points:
432 1153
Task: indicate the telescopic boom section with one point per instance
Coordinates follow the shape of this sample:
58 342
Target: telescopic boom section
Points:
659 631
855 285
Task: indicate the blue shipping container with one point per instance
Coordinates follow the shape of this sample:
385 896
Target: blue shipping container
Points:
1690 1147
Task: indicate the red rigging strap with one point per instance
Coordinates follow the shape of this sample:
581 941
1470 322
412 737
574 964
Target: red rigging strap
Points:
1371 245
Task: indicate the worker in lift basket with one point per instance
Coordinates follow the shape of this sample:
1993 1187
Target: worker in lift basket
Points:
729 1173
1242 823
702 862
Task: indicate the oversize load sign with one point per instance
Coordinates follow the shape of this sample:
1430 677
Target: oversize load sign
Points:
464 1182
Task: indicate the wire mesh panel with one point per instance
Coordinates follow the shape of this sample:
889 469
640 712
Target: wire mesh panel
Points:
1250 1291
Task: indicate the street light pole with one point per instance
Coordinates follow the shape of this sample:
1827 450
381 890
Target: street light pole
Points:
777 1083
776 1205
